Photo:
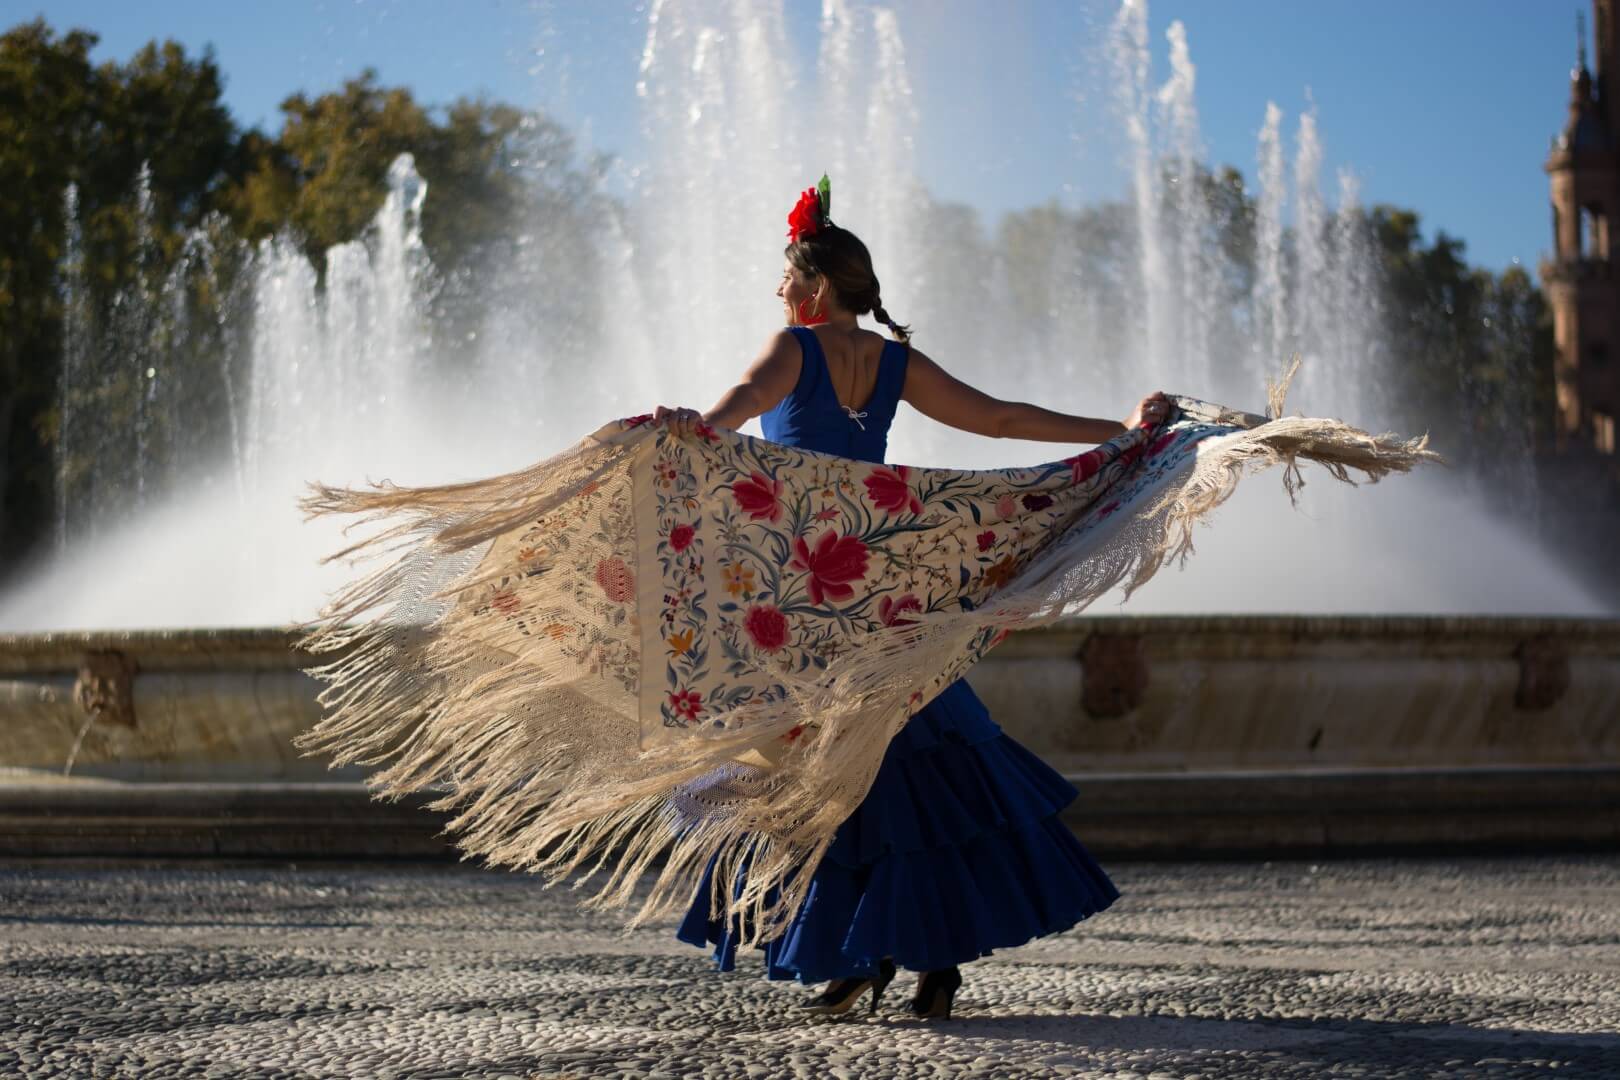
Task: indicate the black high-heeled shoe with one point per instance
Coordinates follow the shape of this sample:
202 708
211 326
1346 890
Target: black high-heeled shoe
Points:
935 994
841 994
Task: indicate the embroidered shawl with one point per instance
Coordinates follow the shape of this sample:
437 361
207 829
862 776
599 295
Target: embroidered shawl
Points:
648 652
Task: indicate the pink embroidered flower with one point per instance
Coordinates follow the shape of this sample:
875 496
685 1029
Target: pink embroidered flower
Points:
1083 466
680 537
686 703
615 579
1005 507
767 627
893 612
504 601
890 490
832 564
987 540
758 497
1034 502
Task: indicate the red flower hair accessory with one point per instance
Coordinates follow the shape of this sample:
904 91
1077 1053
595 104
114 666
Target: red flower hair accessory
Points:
812 213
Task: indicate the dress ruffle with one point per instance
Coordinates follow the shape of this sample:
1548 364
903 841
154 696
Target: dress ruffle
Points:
956 850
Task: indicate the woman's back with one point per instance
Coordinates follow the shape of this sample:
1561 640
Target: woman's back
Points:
812 416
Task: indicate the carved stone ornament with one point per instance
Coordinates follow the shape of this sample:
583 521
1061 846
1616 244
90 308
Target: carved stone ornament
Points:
105 688
1115 674
1543 673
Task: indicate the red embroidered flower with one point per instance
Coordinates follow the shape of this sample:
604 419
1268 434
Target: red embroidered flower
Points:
890 490
757 497
637 421
615 579
504 601
805 219
766 626
793 733
987 540
705 432
827 513
1083 466
680 537
834 562
686 703
1037 502
893 612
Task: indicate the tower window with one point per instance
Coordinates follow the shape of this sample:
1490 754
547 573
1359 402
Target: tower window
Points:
1594 232
1603 432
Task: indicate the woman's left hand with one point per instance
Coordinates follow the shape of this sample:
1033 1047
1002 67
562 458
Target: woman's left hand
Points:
681 422
1153 409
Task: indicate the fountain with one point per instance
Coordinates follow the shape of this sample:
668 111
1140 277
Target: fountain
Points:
338 373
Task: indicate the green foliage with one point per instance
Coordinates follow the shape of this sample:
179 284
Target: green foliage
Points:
320 178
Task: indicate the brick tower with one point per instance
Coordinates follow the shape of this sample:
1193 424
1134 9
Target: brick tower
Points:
1582 285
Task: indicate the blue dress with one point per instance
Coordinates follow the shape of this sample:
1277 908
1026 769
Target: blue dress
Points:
958 848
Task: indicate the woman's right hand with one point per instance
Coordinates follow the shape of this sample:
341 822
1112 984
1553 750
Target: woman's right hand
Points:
681 422
1153 409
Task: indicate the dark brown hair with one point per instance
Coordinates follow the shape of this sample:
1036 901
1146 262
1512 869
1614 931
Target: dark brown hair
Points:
838 255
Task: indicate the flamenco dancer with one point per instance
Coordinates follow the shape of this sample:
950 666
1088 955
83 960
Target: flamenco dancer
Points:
539 649
958 848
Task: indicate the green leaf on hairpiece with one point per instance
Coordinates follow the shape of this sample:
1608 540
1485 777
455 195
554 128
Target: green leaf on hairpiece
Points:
824 191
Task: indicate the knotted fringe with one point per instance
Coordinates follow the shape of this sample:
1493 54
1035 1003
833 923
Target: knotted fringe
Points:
541 761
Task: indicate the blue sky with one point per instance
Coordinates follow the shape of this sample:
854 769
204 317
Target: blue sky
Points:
1445 106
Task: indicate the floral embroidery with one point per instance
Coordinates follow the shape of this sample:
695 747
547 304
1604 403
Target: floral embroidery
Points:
832 565
681 536
757 496
889 490
1083 466
739 579
1036 502
987 539
686 703
1001 573
892 612
767 626
614 578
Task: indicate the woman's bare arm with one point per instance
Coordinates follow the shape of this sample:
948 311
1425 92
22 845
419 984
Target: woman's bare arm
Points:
768 380
935 393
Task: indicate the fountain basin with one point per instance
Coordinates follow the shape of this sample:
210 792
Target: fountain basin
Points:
1185 734
1090 694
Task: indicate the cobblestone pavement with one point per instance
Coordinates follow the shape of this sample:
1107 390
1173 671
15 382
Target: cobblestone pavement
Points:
1490 967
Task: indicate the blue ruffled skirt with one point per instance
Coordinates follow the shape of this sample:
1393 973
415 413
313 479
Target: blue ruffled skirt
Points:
957 850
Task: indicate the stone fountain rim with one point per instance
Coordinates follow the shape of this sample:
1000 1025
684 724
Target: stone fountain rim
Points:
270 645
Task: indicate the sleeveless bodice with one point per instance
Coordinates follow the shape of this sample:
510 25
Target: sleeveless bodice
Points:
812 417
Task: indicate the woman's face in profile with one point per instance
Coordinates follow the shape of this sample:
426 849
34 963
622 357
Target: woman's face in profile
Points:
794 289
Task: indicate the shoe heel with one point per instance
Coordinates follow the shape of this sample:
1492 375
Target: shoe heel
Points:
881 983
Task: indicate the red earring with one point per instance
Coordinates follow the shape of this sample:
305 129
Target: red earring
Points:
808 318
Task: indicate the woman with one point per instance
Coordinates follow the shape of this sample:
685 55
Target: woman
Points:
958 848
